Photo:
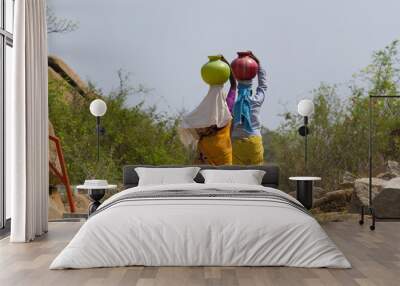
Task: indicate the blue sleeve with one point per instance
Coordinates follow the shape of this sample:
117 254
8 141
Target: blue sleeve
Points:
261 90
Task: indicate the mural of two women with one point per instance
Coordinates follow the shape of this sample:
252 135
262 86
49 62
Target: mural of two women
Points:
225 129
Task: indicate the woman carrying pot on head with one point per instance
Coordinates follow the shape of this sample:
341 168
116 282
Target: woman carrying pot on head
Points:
247 145
207 128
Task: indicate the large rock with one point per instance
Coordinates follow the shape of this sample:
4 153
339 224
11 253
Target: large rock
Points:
60 70
386 176
393 168
387 202
319 192
361 190
54 212
81 202
334 201
56 206
348 180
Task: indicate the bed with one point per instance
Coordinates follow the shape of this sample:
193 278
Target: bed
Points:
201 224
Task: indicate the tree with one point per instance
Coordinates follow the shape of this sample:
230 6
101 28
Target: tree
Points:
59 25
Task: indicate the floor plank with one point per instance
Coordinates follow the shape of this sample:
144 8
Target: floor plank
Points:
375 257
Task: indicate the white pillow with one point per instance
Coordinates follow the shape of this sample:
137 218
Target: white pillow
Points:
248 177
165 176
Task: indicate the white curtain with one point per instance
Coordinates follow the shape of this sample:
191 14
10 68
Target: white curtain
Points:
27 124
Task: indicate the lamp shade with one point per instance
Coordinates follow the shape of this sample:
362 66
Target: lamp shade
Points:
98 107
305 107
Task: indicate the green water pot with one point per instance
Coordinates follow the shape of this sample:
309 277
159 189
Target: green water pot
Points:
215 71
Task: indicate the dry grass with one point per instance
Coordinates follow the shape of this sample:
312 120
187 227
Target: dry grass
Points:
324 217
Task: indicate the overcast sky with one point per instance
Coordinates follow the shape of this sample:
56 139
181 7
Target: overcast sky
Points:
163 44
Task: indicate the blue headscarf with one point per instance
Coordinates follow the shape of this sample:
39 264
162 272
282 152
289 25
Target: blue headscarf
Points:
242 110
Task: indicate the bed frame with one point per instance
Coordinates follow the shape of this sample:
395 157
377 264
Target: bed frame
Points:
270 179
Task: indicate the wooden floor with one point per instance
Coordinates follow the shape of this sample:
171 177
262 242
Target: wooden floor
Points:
375 257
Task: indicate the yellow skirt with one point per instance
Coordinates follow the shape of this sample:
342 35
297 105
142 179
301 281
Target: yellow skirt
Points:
248 151
216 149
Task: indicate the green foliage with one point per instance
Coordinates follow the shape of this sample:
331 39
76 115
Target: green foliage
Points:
339 127
134 134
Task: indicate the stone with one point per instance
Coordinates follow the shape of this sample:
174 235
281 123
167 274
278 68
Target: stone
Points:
387 202
318 192
56 205
59 69
361 190
386 176
393 168
348 180
54 213
334 201
81 202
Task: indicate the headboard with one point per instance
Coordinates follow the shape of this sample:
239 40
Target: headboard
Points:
270 179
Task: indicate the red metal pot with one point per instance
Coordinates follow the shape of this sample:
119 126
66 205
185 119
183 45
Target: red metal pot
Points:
244 67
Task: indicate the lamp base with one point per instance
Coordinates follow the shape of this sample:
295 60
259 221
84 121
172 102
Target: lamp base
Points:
304 130
95 196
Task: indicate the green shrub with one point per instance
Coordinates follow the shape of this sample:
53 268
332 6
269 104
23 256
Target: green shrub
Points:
134 134
339 126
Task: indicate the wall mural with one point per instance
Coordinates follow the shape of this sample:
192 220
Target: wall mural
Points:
225 124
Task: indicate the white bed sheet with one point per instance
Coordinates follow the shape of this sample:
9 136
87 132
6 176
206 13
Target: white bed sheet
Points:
200 232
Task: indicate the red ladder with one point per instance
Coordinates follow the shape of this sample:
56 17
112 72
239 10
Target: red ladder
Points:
63 176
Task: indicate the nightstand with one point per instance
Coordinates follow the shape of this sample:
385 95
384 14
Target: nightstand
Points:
305 190
96 193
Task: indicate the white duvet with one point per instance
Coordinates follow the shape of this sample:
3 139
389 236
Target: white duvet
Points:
200 231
